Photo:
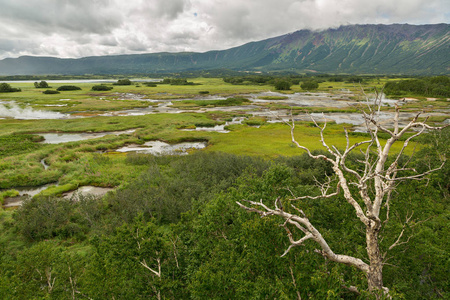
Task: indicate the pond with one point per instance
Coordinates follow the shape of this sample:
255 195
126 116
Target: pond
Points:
87 190
24 193
59 138
162 148
85 80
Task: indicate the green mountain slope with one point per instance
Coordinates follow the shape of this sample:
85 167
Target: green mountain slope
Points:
373 49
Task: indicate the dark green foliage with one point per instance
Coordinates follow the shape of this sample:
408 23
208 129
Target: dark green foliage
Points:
164 192
310 85
50 92
68 88
282 85
6 88
41 85
203 92
183 212
249 79
355 79
438 86
101 87
177 81
43 218
123 82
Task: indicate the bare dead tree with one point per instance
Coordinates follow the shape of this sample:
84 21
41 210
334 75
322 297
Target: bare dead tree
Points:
374 180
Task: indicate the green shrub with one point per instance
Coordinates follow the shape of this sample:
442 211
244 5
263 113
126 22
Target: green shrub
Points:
68 88
123 82
41 85
282 85
101 87
50 92
309 85
6 88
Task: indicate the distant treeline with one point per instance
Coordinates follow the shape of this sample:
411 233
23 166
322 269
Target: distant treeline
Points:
438 86
294 79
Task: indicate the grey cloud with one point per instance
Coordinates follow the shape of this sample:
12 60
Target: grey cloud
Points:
73 28
49 16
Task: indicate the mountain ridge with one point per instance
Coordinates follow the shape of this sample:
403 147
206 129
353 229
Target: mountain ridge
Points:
369 49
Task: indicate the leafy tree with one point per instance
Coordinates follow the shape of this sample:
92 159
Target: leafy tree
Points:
309 85
101 87
282 85
438 86
50 92
6 88
136 261
123 82
41 85
374 177
68 88
40 218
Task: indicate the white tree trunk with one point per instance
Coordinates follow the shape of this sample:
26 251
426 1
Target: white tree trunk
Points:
374 174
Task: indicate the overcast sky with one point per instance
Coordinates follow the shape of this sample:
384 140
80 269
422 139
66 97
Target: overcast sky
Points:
77 28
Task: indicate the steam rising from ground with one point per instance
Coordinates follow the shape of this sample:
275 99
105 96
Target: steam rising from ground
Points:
27 113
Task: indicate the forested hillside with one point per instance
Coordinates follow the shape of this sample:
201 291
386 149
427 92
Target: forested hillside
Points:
368 49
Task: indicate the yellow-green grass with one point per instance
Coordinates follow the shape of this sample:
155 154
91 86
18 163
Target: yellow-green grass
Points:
152 122
88 100
273 140
75 164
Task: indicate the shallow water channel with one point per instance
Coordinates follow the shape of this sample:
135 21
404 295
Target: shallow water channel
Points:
162 148
58 138
25 193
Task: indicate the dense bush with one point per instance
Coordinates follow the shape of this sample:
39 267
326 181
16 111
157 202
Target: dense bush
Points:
438 86
178 81
176 232
123 82
309 85
41 85
6 88
50 92
282 85
68 88
101 87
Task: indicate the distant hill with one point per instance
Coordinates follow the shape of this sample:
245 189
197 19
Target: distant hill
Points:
354 49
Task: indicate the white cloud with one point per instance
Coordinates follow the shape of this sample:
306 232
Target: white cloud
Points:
74 28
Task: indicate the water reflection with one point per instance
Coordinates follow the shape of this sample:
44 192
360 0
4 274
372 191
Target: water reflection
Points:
58 138
162 148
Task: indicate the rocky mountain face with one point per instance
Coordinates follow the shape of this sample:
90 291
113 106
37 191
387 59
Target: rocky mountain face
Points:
354 49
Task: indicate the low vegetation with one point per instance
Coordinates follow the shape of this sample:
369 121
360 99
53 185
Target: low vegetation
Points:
438 86
171 227
101 87
68 88
6 88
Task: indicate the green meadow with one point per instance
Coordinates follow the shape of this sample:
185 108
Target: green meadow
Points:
22 150
178 213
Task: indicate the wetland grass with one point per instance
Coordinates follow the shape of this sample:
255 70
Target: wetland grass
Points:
94 162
